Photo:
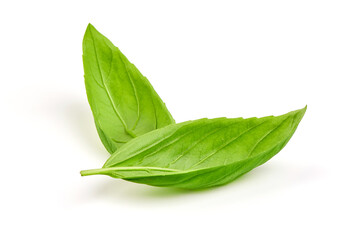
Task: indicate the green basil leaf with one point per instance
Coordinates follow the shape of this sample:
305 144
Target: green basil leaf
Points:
201 153
123 102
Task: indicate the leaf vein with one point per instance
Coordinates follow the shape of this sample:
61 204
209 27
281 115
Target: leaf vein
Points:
265 136
225 145
107 91
202 139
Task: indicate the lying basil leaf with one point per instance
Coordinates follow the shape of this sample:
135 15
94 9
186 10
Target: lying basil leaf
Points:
201 153
123 102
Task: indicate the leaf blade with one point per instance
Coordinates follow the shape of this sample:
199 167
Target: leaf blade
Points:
235 147
112 86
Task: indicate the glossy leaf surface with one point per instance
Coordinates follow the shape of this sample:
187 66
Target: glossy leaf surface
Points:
201 153
123 102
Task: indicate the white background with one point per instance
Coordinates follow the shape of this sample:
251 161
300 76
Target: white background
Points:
205 59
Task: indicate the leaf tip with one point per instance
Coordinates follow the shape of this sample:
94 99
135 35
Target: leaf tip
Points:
301 110
299 114
304 109
89 26
88 39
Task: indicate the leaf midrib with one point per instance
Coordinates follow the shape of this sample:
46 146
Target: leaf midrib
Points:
192 169
127 130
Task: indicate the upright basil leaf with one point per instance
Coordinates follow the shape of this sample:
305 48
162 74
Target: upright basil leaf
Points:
201 153
123 102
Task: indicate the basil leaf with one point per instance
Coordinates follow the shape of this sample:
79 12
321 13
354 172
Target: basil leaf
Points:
201 153
123 102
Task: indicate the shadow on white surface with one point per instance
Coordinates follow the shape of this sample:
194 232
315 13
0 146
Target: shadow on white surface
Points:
68 114
81 123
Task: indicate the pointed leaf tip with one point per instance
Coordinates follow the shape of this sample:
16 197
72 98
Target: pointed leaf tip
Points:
89 26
